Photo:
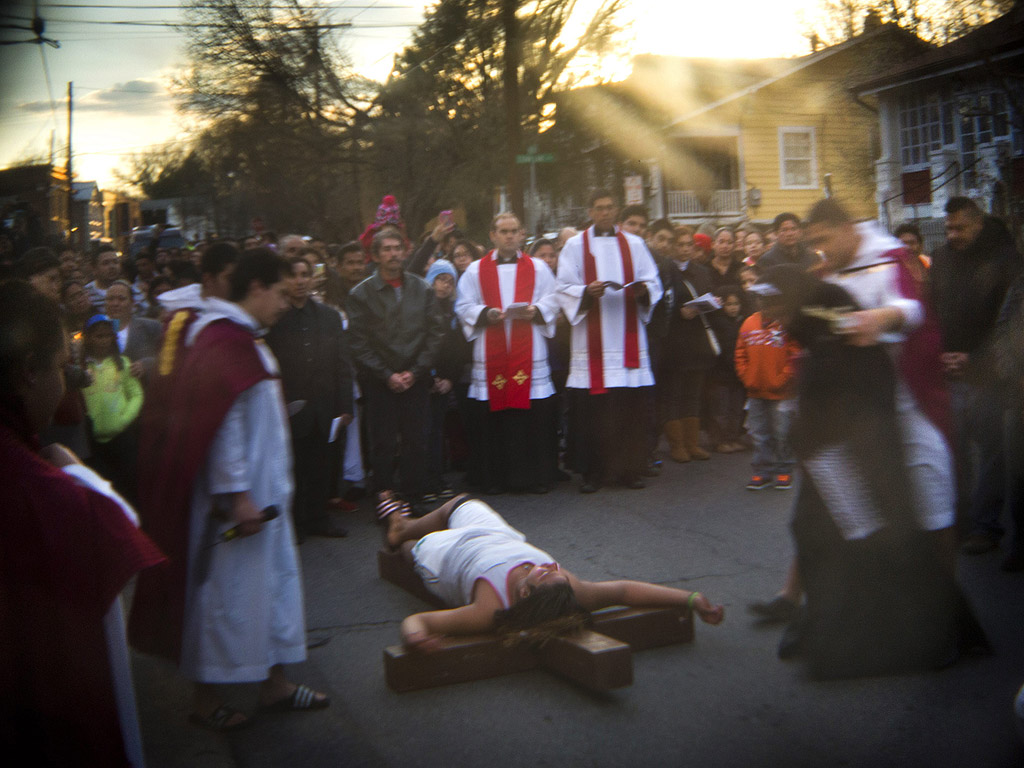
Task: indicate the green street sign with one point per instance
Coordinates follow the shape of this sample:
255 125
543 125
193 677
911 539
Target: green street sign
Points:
544 157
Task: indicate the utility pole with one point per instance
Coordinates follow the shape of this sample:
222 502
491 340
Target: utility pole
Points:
71 186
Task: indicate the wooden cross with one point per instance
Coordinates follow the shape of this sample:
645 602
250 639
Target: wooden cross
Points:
600 658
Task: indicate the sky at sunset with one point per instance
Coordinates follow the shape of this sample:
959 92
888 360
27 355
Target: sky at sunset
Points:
121 73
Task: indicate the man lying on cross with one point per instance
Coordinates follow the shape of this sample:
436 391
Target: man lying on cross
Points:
468 556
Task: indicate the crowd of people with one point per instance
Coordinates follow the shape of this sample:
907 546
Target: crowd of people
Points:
245 392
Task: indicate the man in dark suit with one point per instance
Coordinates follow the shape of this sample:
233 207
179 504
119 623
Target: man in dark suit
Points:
317 380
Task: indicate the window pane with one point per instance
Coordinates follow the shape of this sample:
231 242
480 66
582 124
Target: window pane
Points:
798 173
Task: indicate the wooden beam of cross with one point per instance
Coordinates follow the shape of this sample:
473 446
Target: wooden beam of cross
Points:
600 658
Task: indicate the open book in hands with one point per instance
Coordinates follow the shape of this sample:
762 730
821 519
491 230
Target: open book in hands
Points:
518 310
611 285
704 304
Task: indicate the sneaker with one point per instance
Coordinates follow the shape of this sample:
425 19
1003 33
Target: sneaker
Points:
758 482
783 482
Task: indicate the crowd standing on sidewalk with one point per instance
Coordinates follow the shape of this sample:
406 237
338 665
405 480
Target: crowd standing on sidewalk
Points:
237 396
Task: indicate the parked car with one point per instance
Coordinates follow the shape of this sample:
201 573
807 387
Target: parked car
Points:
143 236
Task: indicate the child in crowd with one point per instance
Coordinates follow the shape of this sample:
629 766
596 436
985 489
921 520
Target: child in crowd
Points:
726 392
113 401
451 359
764 363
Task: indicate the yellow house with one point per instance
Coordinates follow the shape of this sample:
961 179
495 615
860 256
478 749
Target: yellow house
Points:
767 136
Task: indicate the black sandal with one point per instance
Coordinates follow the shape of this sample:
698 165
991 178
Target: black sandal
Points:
303 699
218 720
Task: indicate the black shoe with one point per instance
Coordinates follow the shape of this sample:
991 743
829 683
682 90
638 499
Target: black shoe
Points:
539 489
1014 562
588 487
792 642
634 485
776 610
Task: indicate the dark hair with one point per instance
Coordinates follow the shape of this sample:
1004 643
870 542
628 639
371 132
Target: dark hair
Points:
183 273
538 244
113 351
157 281
908 228
30 331
600 194
218 257
963 205
37 260
685 229
829 212
725 291
385 233
469 245
753 229
100 250
548 610
260 264
657 226
782 218
633 210
353 246
144 255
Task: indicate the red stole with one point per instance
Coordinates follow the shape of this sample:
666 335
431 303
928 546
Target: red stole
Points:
509 365
595 349
220 365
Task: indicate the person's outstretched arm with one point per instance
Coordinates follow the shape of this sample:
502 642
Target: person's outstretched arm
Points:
601 594
423 631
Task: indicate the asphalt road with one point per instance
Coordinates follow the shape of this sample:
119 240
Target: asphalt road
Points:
725 700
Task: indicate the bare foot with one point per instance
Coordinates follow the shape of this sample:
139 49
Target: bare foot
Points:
709 612
397 523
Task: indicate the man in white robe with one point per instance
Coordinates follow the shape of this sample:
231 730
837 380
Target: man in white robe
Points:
242 613
512 295
607 286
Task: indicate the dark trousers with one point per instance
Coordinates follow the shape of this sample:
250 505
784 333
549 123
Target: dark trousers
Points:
513 449
727 398
682 394
978 425
117 461
610 433
397 425
315 472
1014 447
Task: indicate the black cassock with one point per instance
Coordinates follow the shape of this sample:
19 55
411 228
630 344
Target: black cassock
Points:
879 601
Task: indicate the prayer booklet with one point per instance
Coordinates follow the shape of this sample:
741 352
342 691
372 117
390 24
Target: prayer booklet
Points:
613 286
706 303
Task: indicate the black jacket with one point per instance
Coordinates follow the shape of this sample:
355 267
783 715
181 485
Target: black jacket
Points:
686 346
315 367
776 255
969 286
389 336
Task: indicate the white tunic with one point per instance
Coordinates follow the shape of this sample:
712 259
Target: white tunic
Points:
927 455
469 303
572 286
247 615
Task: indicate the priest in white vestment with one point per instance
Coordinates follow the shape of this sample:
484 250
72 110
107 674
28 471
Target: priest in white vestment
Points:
507 305
607 286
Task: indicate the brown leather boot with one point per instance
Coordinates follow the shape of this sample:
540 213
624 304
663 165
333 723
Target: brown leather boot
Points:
691 437
676 441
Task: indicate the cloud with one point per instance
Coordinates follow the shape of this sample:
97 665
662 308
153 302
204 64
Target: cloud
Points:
136 96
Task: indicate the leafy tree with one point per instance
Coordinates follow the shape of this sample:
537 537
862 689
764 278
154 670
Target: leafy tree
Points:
478 83
937 21
280 113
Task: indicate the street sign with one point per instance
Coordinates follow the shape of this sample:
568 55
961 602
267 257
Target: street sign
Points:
543 157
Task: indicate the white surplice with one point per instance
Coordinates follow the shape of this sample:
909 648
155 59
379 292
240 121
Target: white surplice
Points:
572 286
469 303
247 614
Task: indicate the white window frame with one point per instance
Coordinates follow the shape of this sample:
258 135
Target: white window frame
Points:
783 131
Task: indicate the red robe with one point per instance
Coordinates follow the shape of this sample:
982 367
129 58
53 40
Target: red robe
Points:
65 554
215 370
